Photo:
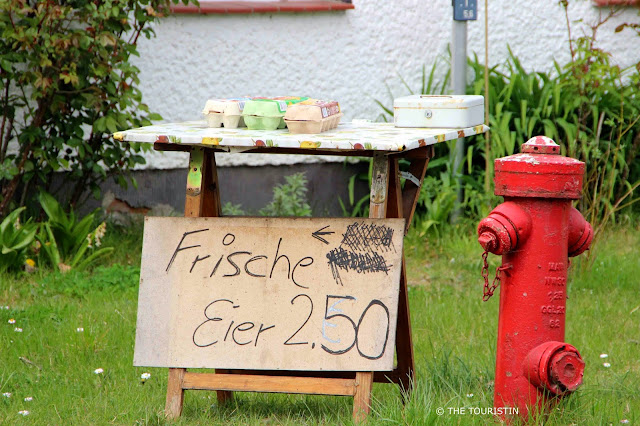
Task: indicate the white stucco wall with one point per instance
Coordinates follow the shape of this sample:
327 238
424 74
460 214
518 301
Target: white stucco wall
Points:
349 56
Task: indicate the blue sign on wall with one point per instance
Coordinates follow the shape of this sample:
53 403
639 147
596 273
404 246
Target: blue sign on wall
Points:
465 10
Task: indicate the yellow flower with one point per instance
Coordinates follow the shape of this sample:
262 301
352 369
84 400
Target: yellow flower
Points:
30 262
309 144
211 141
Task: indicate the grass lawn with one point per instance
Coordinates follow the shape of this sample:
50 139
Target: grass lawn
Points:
75 323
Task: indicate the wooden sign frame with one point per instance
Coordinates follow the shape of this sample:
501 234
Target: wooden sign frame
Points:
388 200
260 293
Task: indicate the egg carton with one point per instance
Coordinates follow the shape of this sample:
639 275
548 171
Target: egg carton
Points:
225 112
313 116
268 114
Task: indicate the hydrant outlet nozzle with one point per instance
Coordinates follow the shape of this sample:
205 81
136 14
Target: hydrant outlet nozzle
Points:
555 367
580 233
506 227
488 241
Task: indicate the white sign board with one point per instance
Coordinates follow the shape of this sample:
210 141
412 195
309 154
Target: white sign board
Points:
269 293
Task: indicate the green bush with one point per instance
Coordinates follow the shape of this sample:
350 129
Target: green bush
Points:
66 83
15 239
289 199
66 242
589 106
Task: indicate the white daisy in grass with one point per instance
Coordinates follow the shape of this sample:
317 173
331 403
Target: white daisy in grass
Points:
145 376
606 365
79 329
7 394
603 356
23 412
12 321
17 330
29 398
98 371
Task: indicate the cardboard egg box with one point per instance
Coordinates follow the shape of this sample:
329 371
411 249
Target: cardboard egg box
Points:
225 112
313 116
268 114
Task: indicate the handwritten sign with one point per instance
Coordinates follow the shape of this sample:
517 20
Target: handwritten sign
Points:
269 293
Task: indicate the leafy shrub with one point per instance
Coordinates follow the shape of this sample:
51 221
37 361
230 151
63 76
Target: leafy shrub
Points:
66 242
289 198
15 239
358 208
66 83
589 106
230 209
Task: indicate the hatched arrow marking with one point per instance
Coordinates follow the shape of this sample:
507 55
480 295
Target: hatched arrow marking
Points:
317 234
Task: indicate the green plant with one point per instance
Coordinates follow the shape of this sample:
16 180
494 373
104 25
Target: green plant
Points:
230 209
607 125
66 242
289 198
358 208
15 239
438 193
590 106
66 83
428 84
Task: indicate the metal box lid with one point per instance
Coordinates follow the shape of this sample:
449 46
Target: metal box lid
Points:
438 101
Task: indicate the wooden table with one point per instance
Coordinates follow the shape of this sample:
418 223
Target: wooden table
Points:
389 199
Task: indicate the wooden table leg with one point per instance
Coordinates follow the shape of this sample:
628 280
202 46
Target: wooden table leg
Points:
175 393
419 160
202 200
404 345
377 210
404 342
362 398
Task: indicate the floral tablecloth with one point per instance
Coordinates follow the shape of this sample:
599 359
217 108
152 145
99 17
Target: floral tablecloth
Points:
347 136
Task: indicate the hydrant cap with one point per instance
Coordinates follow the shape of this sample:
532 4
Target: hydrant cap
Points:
555 367
567 369
541 145
539 171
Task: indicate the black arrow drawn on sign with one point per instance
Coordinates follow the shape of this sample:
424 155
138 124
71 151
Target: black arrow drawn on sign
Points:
317 234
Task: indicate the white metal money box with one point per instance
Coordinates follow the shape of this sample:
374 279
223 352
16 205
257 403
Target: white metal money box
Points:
438 111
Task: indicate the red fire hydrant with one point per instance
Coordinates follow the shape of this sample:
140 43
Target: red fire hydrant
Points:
535 230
